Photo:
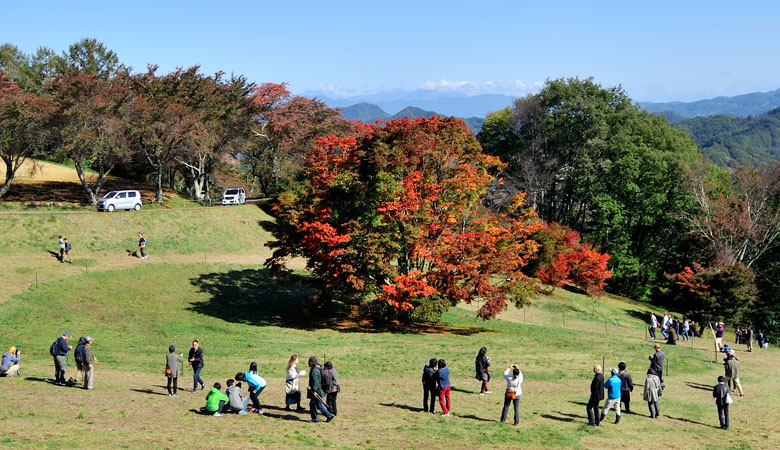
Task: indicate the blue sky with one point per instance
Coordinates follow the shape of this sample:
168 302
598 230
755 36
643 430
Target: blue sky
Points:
658 51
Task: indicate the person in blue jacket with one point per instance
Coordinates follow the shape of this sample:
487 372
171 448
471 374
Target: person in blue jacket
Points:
256 385
60 358
612 385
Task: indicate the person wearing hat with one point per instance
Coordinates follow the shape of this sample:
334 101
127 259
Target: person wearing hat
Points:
60 350
10 364
732 372
89 361
596 395
612 385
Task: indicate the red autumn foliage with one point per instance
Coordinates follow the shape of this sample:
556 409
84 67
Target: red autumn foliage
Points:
572 261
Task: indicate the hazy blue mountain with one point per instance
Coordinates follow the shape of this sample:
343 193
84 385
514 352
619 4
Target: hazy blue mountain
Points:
744 105
730 140
445 103
368 113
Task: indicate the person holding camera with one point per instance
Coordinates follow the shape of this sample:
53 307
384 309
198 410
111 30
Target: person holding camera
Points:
172 361
10 364
514 378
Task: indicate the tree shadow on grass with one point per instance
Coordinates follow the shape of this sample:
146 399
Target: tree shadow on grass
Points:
406 407
254 297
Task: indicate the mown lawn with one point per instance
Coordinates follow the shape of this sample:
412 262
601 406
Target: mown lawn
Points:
241 315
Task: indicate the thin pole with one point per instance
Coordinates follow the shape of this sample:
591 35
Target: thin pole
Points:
524 315
564 320
606 330
603 363
36 278
86 266
667 367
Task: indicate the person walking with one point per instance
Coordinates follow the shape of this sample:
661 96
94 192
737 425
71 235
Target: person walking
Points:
653 325
652 393
665 325
445 385
142 246
732 372
292 387
59 350
686 326
172 361
429 379
315 392
68 248
195 359
657 363
719 329
596 396
626 387
9 366
514 378
722 400
61 243
330 384
483 375
613 386
89 364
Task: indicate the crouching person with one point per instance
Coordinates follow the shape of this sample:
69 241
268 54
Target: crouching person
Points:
216 400
10 364
237 402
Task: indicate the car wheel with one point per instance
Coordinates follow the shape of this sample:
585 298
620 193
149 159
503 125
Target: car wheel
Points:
110 208
137 207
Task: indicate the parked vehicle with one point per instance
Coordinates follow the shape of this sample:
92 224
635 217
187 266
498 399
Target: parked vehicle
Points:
120 200
234 196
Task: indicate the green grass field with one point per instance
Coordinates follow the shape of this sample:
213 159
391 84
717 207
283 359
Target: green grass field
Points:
205 280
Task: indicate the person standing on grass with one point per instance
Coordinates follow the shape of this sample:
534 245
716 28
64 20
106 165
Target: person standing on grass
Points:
292 388
315 393
514 378
627 386
665 325
653 325
443 377
68 248
10 363
652 393
596 396
612 385
142 246
750 339
686 326
483 375
216 400
172 361
719 329
429 379
89 364
721 394
78 357
195 359
657 363
61 244
330 384
60 351
732 372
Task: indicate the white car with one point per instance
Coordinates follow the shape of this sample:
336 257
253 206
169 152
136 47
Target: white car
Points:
234 196
120 200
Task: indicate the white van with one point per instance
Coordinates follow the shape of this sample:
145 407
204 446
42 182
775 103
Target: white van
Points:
120 200
234 196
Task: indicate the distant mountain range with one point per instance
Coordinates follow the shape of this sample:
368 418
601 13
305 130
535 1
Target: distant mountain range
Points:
744 105
446 104
368 113
729 140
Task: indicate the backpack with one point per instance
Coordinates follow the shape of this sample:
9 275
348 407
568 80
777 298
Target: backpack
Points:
67 247
78 354
54 350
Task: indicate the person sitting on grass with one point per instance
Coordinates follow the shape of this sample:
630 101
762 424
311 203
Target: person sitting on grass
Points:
216 400
10 364
237 402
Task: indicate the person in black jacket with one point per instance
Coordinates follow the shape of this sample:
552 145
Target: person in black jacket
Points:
482 363
429 384
596 396
721 392
626 386
196 361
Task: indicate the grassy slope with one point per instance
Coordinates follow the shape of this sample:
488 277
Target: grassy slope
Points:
241 316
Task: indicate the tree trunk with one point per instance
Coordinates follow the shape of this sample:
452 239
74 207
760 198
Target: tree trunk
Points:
158 183
80 172
10 172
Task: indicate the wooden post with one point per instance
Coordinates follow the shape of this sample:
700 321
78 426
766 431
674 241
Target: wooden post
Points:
667 367
606 330
603 363
564 320
86 266
36 278
645 333
524 316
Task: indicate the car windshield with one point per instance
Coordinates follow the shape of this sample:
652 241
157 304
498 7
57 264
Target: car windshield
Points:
231 192
110 194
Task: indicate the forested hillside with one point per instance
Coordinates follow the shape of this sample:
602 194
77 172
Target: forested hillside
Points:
729 140
751 104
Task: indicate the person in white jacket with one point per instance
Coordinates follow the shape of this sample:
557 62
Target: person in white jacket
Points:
292 387
514 378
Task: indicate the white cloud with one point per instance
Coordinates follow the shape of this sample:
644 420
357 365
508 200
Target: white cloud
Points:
514 87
